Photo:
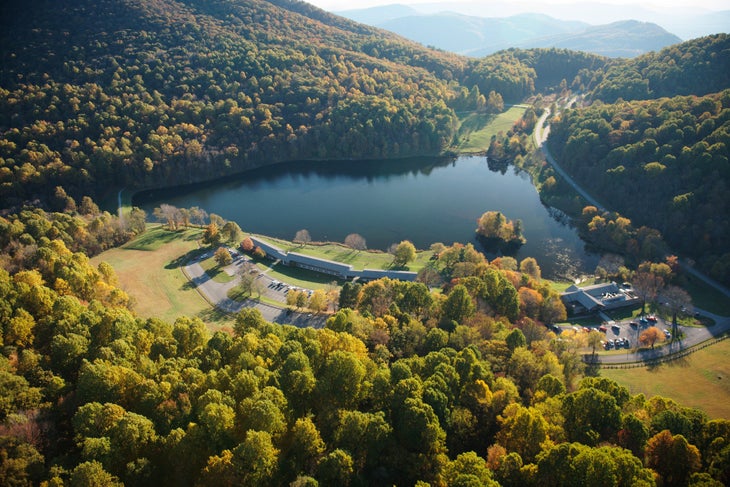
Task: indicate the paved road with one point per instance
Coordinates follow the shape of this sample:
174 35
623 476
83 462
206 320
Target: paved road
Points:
541 135
217 294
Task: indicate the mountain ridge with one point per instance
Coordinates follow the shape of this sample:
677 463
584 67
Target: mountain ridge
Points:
479 36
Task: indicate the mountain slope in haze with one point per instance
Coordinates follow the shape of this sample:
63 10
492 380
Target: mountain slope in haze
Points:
481 36
627 39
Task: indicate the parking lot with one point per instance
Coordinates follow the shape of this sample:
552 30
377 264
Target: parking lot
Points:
624 334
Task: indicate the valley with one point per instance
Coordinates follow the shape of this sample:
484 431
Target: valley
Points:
192 330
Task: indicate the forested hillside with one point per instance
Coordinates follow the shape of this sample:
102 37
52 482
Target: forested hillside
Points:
696 67
662 163
152 92
462 385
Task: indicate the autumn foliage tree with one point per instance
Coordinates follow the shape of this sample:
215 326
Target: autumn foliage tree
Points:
650 336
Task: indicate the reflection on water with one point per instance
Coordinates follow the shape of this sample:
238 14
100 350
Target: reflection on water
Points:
422 200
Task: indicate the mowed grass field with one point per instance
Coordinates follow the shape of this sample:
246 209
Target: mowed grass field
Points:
476 129
149 271
700 380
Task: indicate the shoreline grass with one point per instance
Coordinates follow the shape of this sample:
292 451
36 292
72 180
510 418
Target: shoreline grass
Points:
476 129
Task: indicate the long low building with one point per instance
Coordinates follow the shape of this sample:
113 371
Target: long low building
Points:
329 267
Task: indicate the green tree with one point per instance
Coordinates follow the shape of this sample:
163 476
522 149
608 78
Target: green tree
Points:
335 469
20 464
304 447
458 305
403 253
231 233
590 415
349 295
366 436
249 319
211 235
340 380
255 459
515 339
468 469
524 431
92 474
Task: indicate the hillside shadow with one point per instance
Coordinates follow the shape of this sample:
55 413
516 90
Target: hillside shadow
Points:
184 259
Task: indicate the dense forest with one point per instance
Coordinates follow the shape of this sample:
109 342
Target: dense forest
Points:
670 156
462 385
403 386
696 67
153 92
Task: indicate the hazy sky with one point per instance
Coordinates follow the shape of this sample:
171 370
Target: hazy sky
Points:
658 4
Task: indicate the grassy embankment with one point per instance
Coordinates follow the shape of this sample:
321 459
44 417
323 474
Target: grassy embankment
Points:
700 380
476 129
358 259
149 271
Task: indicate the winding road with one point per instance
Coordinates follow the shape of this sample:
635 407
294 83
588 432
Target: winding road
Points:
692 336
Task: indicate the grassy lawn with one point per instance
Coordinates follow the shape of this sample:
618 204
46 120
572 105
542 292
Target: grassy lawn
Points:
215 271
149 270
589 321
476 129
700 380
359 260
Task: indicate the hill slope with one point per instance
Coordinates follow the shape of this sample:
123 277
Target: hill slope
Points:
146 92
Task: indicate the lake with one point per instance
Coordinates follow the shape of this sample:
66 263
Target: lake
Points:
423 200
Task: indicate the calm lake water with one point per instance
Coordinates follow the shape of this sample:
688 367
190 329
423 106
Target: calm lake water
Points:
421 200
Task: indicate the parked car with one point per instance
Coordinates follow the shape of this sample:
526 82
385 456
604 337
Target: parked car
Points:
667 334
633 324
652 318
603 329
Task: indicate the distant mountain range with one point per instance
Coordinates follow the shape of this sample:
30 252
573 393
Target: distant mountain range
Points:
478 36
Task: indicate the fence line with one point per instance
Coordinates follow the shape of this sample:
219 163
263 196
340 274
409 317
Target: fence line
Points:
663 359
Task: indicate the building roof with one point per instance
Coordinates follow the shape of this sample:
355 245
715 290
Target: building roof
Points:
330 265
